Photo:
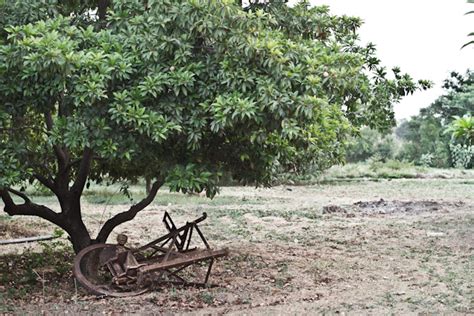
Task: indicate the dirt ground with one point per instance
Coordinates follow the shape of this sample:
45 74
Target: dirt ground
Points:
400 246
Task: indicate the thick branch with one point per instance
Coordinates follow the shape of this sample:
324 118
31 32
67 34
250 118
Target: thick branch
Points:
62 108
20 194
102 9
60 153
73 163
28 208
7 199
83 172
130 214
45 181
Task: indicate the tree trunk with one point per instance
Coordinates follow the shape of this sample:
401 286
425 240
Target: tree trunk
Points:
70 217
102 9
147 185
74 225
78 235
80 241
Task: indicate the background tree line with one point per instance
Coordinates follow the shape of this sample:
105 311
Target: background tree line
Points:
441 136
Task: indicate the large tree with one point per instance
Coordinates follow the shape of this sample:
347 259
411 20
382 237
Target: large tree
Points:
178 92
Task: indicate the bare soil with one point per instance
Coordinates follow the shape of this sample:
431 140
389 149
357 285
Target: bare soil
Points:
401 246
13 230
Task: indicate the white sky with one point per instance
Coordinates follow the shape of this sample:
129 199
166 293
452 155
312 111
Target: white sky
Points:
423 37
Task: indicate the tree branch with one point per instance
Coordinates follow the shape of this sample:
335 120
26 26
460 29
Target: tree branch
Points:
20 194
60 153
62 108
45 181
28 208
130 214
73 163
7 199
83 172
102 9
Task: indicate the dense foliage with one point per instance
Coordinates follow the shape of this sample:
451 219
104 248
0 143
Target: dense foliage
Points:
178 92
442 135
371 144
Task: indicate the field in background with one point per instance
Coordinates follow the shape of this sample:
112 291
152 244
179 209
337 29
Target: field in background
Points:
362 238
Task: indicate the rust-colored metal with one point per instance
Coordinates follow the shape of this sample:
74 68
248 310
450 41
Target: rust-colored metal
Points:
115 270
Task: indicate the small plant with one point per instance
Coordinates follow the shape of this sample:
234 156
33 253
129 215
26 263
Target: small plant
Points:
375 162
174 296
4 218
29 272
282 267
426 160
462 129
207 297
280 282
462 155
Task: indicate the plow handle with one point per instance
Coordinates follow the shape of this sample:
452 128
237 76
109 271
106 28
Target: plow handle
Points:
200 219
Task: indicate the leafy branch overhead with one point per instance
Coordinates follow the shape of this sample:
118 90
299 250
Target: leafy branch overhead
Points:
181 91
472 33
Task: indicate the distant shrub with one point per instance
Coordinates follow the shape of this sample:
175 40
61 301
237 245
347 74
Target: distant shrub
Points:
397 165
462 155
437 155
426 160
370 143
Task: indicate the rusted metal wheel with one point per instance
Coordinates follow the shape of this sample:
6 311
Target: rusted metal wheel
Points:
91 271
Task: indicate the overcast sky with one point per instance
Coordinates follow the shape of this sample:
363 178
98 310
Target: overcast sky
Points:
423 37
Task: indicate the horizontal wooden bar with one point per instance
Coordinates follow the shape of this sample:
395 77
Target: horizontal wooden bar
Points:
186 258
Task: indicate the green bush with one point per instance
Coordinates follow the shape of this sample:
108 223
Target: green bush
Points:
370 143
426 160
462 155
438 154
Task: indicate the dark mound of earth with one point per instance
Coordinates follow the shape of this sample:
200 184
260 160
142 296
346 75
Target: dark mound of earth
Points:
391 207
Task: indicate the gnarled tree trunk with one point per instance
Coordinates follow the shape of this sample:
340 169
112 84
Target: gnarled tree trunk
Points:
70 217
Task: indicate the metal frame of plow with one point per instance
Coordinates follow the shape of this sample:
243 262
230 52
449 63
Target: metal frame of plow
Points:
115 270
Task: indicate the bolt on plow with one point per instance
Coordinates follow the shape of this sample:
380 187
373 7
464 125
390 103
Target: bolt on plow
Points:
119 271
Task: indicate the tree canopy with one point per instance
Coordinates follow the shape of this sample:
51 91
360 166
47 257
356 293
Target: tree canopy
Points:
178 92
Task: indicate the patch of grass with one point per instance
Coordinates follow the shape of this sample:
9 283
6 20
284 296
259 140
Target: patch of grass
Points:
319 267
391 169
282 266
389 299
414 301
166 198
254 261
280 282
283 278
311 213
236 213
98 198
207 297
21 274
239 230
275 235
5 218
4 307
112 195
